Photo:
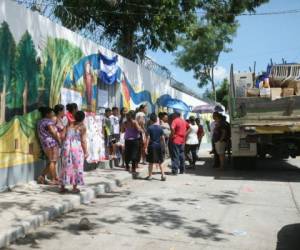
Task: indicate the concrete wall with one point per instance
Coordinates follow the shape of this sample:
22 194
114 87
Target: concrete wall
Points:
55 51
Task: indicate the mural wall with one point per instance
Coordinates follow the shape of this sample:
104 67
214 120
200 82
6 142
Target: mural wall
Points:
37 59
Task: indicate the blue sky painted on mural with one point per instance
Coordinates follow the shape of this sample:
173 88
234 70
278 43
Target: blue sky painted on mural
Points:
259 38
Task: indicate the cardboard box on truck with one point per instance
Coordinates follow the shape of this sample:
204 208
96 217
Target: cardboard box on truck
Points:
275 93
296 86
252 92
287 92
265 92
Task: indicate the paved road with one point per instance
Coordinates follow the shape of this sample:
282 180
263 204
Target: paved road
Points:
203 209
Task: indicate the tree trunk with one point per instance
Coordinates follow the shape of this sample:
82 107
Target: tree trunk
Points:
127 41
213 83
25 98
3 102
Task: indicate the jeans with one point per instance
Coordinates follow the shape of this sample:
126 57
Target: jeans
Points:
177 157
191 149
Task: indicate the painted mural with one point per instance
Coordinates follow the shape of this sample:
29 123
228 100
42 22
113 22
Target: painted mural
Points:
37 59
28 81
132 98
20 82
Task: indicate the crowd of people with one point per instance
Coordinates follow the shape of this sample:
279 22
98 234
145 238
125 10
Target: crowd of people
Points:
137 137
132 137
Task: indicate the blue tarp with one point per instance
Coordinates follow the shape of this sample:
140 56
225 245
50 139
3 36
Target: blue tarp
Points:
169 102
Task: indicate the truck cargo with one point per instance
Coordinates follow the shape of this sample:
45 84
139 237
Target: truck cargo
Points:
265 125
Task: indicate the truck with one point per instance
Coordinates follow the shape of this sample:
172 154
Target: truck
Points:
265 122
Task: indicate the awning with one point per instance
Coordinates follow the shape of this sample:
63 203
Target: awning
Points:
169 102
207 108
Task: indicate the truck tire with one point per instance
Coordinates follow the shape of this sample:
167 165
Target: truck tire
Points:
244 163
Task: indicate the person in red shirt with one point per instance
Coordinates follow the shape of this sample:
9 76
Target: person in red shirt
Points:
179 128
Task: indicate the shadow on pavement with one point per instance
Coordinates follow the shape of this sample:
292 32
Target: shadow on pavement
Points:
33 239
265 170
225 198
150 214
9 204
288 238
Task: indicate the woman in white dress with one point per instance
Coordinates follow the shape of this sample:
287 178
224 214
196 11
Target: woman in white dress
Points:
192 141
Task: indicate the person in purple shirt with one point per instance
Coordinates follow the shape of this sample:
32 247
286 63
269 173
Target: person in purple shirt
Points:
132 141
50 140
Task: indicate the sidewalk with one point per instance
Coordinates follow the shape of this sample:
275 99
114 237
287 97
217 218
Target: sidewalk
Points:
26 207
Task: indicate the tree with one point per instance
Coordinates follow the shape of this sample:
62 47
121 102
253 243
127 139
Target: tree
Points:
222 93
131 26
27 70
202 48
203 43
7 63
60 55
47 79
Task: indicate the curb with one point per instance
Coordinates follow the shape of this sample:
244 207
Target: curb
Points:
33 222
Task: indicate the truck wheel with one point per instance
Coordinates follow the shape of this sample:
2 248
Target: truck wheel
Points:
244 163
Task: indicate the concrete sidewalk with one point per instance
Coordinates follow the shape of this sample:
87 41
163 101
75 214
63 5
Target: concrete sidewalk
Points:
26 207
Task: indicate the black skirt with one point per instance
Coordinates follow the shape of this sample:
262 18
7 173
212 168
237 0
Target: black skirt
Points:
155 155
132 151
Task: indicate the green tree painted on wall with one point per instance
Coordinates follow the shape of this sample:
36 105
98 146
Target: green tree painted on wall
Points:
7 64
63 56
27 71
47 72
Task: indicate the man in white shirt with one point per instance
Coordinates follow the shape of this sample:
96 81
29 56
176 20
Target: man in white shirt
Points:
141 115
141 119
115 125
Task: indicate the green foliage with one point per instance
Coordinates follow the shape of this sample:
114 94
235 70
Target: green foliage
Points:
5 127
47 72
7 62
202 45
131 26
27 68
222 93
7 54
28 122
60 56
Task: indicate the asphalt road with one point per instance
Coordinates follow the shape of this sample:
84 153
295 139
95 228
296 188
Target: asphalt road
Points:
202 209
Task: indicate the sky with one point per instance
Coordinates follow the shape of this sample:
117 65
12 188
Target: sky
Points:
258 38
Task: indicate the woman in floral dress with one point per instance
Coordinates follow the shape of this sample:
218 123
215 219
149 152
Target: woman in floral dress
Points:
61 126
74 151
50 140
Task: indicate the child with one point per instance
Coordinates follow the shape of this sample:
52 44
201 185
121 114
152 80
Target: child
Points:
74 151
153 147
72 108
